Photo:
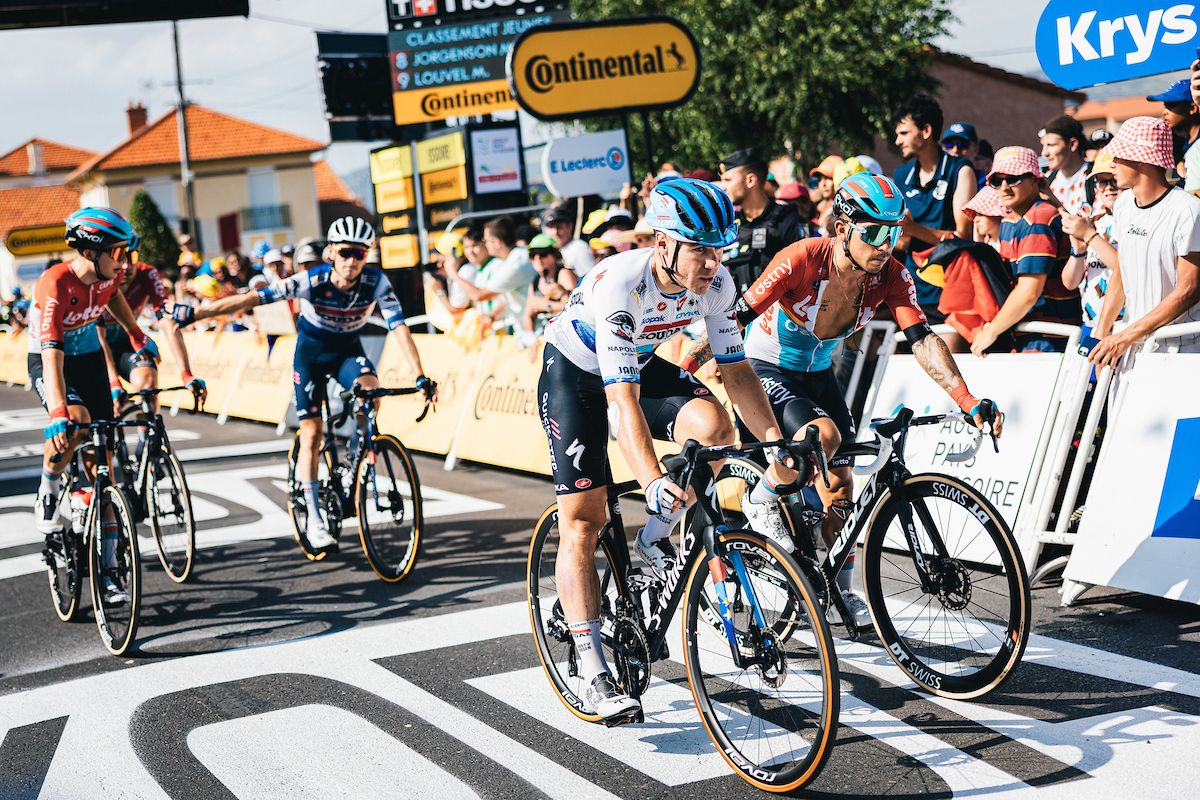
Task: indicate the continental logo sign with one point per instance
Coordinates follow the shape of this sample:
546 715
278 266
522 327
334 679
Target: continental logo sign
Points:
458 100
37 241
580 69
400 251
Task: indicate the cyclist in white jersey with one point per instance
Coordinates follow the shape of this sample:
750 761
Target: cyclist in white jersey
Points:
600 352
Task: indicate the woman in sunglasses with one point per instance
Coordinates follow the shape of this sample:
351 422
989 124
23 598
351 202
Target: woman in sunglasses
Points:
1032 240
335 301
814 294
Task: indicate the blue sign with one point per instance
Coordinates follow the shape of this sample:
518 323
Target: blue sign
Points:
1179 507
1084 43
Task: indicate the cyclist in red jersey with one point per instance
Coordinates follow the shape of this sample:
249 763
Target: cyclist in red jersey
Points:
66 366
811 296
143 285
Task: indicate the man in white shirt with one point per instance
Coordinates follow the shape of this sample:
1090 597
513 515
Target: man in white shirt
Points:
577 256
1156 265
1063 147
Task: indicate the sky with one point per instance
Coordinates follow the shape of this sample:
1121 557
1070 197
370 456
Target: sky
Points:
72 84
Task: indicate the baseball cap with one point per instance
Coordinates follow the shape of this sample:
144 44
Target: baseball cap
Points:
273 256
557 214
449 244
826 167
851 166
1103 164
749 157
1015 161
793 190
307 254
961 130
1146 140
542 243
287 250
700 173
641 229
1100 137
1178 92
872 164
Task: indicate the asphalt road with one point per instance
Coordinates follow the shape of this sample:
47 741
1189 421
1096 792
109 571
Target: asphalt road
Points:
272 676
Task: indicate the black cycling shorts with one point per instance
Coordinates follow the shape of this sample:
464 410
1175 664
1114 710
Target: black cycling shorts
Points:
574 412
798 398
126 358
318 360
86 379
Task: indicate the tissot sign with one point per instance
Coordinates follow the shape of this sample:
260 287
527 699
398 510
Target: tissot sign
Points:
580 69
1083 43
409 11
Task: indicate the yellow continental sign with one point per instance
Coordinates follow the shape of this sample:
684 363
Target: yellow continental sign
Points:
444 186
579 69
459 100
37 241
399 252
394 195
440 152
390 223
391 164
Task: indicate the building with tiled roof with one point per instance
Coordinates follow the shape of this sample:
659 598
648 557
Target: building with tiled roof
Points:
251 182
334 197
32 230
40 162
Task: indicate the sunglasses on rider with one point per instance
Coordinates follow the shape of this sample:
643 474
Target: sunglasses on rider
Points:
118 253
877 235
1008 180
352 252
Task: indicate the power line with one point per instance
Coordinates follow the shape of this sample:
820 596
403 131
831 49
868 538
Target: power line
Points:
299 23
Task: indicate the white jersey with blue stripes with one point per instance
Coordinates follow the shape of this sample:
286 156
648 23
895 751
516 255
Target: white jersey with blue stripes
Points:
326 310
617 315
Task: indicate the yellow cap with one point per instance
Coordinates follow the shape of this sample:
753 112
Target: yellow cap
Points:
1103 164
851 166
449 243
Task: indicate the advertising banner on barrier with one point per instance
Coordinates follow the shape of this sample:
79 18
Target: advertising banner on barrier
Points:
216 357
264 385
1141 527
13 361
1021 383
446 362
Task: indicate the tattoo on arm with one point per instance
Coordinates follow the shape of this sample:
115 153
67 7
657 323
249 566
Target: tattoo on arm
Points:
701 351
936 359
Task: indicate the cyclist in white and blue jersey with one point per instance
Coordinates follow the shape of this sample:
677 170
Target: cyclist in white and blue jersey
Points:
335 301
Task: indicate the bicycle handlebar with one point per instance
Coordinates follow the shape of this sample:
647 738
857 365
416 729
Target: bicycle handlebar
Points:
197 406
73 426
370 394
887 429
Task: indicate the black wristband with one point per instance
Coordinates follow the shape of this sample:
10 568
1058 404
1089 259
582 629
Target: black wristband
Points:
915 333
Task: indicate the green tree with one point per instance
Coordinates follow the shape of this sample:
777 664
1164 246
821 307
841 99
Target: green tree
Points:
809 73
159 246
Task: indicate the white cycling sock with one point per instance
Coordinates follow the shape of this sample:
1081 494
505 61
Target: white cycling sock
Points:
763 492
845 578
311 489
586 636
659 526
49 484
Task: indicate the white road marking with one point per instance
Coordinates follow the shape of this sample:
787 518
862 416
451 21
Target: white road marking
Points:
234 485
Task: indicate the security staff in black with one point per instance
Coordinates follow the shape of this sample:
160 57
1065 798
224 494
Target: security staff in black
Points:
764 226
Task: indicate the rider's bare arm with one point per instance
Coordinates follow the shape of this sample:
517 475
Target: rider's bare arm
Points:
700 354
633 432
938 362
119 307
234 304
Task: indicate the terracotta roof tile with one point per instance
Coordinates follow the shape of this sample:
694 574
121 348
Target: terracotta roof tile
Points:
1118 108
35 205
211 135
329 186
55 156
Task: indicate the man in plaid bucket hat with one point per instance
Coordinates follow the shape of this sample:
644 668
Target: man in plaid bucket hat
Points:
1032 240
1156 264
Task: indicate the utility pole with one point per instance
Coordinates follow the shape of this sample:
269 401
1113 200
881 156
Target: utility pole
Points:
185 171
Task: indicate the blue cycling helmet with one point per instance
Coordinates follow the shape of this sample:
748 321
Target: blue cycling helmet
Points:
694 211
261 248
98 228
865 197
135 243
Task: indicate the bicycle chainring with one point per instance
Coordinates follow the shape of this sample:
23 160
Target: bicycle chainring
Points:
631 656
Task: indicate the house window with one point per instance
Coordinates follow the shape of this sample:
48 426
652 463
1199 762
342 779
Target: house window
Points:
263 185
165 194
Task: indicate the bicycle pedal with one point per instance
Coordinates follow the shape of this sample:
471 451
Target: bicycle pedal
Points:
631 718
638 579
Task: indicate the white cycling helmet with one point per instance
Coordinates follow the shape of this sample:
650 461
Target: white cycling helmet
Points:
351 230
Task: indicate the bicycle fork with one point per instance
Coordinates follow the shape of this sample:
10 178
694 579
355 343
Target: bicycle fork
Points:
744 653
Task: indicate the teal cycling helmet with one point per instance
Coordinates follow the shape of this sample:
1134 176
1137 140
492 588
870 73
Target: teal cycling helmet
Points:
865 197
135 242
693 211
97 228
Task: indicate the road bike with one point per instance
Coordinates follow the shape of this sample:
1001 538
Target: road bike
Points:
377 483
156 486
762 670
114 556
942 573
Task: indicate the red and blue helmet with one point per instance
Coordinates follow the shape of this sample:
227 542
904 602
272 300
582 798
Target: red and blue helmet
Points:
694 211
98 228
865 197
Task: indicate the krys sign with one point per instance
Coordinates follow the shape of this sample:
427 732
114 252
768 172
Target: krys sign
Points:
1084 43
581 69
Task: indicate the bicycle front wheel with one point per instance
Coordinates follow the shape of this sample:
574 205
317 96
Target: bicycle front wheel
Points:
116 569
171 518
387 499
769 703
961 632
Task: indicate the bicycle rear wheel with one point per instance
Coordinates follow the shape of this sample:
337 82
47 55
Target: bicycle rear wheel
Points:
555 648
327 500
774 716
962 634
117 620
387 499
171 519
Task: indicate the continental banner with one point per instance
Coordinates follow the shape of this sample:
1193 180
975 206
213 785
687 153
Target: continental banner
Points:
216 357
448 363
263 381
